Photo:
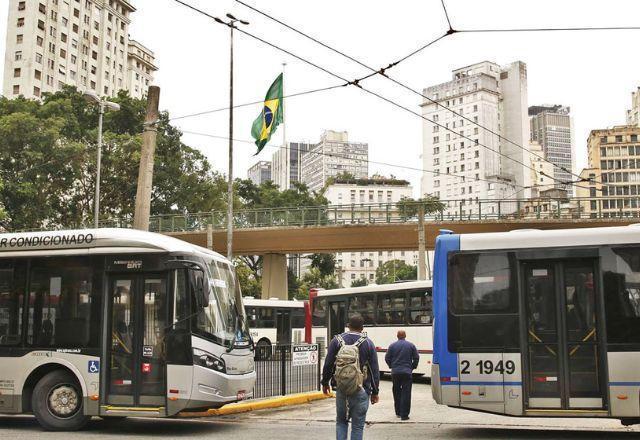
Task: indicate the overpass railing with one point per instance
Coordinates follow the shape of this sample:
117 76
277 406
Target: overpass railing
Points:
461 210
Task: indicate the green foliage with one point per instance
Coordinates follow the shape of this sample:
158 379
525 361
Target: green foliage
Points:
395 270
325 263
249 283
359 282
314 278
48 163
409 208
293 285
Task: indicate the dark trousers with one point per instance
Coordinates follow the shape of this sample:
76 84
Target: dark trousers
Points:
402 393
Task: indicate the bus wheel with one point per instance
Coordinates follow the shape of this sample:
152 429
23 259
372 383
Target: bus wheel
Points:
57 402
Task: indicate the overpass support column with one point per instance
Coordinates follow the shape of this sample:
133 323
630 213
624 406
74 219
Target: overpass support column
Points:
422 246
274 276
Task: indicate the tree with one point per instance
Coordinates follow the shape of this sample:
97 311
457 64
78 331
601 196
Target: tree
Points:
249 284
48 160
359 282
325 263
314 278
395 270
409 208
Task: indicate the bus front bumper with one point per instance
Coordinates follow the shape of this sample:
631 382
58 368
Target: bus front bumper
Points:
212 389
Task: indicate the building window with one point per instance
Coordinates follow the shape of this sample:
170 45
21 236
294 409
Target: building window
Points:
618 138
16 89
17 72
36 91
18 55
19 38
22 6
39 58
37 75
21 23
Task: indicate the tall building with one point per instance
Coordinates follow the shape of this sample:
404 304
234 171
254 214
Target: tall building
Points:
633 115
496 98
332 156
614 167
378 193
83 43
552 128
287 163
260 172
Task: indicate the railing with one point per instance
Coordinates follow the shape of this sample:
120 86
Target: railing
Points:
278 376
461 210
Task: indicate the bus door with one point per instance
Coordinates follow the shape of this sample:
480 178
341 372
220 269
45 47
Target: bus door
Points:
563 367
283 326
135 368
337 318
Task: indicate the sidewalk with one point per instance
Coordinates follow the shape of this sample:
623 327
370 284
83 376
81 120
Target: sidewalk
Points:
426 411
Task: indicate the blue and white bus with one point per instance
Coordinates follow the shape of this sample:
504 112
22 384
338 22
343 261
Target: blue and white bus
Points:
539 323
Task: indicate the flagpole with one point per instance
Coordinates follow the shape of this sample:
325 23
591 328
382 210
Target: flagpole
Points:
284 132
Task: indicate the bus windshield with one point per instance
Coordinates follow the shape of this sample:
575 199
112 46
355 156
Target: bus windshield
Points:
224 317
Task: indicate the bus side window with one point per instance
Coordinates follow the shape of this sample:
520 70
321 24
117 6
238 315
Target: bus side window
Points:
12 286
420 307
297 318
319 312
266 318
392 308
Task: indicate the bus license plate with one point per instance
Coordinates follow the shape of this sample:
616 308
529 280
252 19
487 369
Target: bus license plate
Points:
242 395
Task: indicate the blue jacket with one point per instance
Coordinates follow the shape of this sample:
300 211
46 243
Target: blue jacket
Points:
402 357
368 357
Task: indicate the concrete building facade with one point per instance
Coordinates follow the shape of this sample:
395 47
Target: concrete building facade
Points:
457 153
614 166
83 43
540 180
286 164
332 156
633 114
552 128
260 172
380 194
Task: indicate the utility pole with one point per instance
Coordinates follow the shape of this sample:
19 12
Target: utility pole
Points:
147 154
422 267
231 24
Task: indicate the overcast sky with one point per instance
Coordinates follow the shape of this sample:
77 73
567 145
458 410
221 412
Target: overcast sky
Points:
592 72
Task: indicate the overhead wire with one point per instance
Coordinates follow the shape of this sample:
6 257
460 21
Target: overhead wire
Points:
356 83
383 73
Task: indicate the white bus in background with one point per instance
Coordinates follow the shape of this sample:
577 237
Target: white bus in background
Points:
274 321
385 308
114 322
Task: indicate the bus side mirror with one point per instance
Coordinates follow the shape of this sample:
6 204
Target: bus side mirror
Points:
202 292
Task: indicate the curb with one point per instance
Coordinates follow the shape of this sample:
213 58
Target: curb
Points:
276 402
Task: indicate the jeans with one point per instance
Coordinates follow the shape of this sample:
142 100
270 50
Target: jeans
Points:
402 393
358 404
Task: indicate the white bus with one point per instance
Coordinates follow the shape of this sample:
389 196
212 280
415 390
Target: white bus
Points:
539 323
274 321
120 323
386 308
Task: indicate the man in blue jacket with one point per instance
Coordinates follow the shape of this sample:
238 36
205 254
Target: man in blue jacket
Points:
402 357
353 407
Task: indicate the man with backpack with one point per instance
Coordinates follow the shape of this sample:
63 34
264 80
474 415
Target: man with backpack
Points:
351 366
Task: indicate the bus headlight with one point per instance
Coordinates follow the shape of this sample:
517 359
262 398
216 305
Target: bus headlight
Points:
207 360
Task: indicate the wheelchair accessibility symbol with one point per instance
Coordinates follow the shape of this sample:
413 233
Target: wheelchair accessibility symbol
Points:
94 367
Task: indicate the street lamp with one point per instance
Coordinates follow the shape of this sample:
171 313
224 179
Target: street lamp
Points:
231 24
103 104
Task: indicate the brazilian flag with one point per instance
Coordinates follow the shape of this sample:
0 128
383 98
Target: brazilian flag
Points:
265 124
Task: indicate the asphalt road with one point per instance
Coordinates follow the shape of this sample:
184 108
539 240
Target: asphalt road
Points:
316 421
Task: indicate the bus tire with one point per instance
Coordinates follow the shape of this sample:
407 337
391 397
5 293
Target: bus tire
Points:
57 402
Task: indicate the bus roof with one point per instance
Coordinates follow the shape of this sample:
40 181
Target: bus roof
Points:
93 241
374 288
525 239
252 302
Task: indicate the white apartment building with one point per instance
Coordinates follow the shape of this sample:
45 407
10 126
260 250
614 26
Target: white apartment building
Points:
378 193
140 69
633 115
334 155
493 97
286 164
552 127
83 43
540 180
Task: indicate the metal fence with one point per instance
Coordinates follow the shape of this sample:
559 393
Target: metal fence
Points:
278 374
460 210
